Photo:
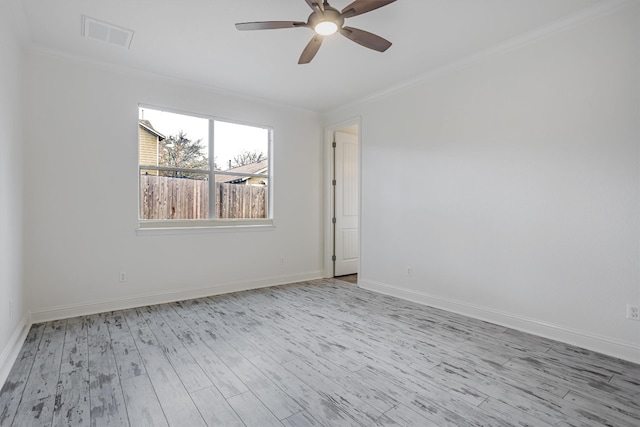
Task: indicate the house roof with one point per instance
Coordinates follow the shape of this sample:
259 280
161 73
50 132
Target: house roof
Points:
253 168
146 124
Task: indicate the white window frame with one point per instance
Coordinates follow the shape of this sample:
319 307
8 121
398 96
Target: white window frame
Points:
177 226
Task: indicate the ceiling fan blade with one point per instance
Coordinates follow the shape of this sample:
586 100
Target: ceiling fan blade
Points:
310 51
365 38
269 25
315 4
359 7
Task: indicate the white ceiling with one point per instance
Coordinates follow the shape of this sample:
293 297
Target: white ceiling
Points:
195 40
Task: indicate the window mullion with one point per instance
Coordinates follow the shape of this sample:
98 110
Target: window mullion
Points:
173 169
251 175
212 175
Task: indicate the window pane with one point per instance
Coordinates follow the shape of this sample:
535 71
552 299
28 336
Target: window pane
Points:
241 200
172 140
179 143
241 151
167 197
240 146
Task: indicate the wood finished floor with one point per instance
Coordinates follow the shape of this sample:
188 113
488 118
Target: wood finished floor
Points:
351 278
319 353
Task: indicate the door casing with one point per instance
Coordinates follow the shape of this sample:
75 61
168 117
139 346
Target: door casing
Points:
328 191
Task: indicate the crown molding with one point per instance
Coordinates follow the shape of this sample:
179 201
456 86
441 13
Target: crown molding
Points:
602 8
37 49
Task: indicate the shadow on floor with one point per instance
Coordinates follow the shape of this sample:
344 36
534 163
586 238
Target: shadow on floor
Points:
351 278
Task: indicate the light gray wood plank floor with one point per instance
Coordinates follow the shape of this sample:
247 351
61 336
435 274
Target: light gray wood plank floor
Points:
317 353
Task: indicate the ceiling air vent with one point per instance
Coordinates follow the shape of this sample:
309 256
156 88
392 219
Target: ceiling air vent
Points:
109 33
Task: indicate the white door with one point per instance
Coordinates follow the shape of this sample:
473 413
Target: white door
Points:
346 204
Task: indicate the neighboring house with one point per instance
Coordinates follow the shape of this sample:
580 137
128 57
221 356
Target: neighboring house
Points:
260 167
149 146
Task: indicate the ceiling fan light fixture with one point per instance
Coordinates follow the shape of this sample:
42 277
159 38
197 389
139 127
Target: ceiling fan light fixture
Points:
325 21
326 28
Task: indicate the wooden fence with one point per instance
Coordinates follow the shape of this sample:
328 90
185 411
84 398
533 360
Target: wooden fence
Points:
164 197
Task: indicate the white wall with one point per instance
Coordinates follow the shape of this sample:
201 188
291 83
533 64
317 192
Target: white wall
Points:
512 187
12 320
81 195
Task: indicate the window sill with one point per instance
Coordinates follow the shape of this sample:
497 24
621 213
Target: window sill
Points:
160 228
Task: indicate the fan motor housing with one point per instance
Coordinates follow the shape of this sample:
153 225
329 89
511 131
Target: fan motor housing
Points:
329 14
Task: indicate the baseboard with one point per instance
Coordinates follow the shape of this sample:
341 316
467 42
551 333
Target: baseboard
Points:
12 349
605 345
101 306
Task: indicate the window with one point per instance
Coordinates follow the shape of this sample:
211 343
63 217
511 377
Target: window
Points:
200 171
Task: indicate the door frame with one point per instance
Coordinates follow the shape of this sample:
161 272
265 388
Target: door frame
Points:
328 191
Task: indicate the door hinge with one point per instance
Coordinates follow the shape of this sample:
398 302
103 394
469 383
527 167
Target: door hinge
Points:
334 145
333 258
334 182
333 220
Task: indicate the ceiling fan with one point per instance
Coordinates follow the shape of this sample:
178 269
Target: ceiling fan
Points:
326 20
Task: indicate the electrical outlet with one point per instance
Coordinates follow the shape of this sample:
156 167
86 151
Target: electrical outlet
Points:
633 312
409 271
281 260
122 277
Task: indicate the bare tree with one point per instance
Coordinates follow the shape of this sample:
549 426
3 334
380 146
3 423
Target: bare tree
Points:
181 152
247 157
